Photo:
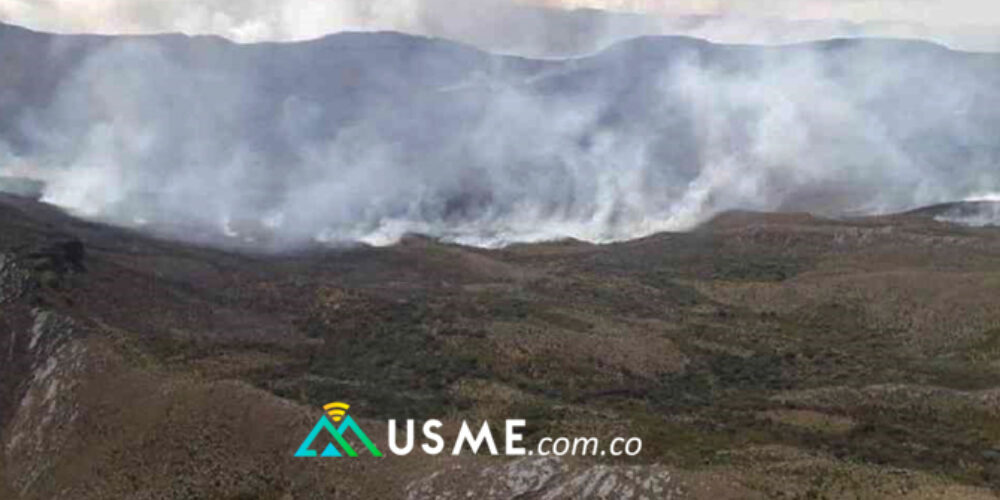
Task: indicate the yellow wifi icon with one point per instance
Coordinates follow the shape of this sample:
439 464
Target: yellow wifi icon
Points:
336 410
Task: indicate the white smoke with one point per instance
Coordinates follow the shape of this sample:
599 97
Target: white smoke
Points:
978 211
494 156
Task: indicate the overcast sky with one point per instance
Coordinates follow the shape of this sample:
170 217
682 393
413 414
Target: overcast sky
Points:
954 12
965 24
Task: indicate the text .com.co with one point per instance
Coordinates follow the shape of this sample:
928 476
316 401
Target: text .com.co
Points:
330 431
484 441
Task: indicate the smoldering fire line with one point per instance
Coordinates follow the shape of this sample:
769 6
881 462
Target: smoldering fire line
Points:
367 137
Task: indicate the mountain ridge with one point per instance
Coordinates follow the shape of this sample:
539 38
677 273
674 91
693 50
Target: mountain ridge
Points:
834 41
169 122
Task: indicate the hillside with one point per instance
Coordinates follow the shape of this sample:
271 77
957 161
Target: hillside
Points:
760 355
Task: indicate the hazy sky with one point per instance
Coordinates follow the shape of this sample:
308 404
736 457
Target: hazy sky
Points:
968 24
908 11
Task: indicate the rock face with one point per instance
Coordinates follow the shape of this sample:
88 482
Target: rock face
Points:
547 479
15 281
46 360
45 420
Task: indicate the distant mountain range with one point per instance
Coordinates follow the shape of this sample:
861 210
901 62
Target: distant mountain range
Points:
359 134
526 28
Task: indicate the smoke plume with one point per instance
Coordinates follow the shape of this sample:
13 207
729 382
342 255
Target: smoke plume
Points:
367 137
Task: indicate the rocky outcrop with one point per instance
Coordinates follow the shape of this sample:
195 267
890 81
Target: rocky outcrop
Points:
46 414
45 355
15 279
547 478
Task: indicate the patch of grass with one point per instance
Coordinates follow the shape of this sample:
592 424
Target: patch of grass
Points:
697 441
956 373
986 350
952 443
720 376
667 281
754 268
822 423
386 353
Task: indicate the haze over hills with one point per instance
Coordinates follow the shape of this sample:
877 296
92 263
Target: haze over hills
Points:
368 136
791 299
534 28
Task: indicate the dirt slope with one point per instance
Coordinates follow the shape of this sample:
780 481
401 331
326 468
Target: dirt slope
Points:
761 355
